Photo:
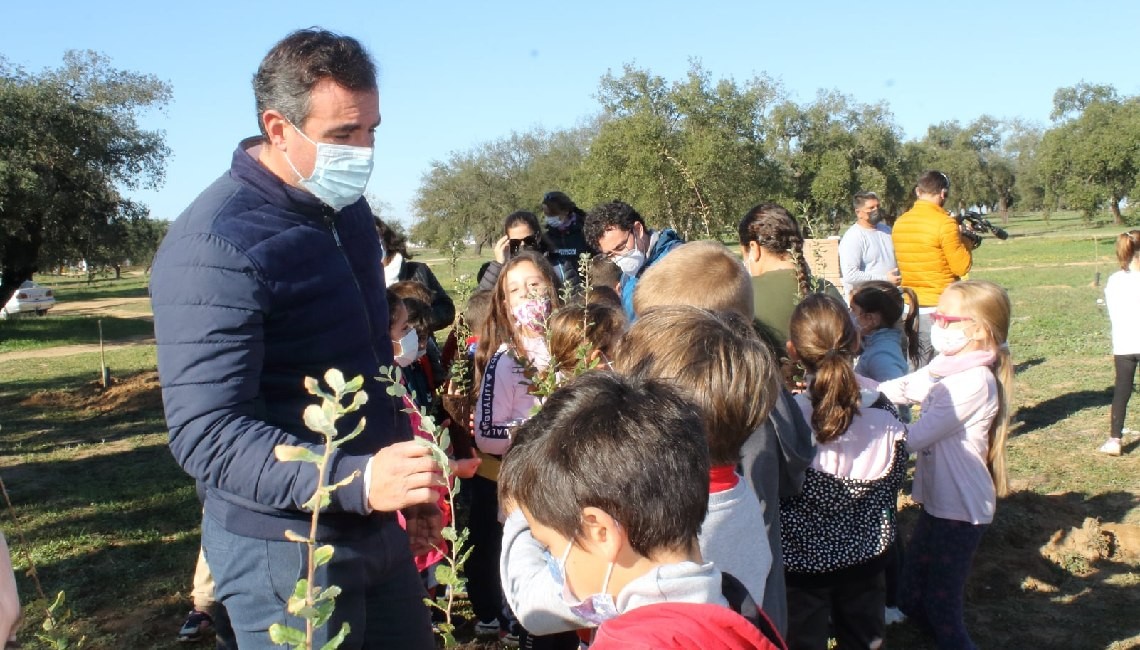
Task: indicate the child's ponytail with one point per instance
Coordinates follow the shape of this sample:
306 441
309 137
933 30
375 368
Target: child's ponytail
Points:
826 342
1127 248
910 324
999 429
989 304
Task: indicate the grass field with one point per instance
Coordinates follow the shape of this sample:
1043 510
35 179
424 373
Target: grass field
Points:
107 516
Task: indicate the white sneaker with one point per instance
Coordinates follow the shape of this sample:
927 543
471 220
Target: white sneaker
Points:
1111 447
893 615
487 628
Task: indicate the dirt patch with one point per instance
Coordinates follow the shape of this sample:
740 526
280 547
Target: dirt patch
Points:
1079 547
119 307
135 392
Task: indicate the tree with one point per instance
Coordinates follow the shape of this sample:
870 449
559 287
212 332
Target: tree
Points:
692 155
470 194
69 144
835 147
1092 156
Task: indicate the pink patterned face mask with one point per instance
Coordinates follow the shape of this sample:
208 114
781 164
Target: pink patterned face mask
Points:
531 314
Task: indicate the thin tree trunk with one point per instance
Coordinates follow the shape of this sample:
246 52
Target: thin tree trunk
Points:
1114 207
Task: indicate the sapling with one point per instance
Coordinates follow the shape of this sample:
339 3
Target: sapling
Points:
309 601
447 572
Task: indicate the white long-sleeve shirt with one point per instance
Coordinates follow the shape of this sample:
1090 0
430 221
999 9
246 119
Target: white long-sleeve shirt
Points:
1122 296
951 438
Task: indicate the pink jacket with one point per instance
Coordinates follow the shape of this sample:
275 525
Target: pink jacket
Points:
951 438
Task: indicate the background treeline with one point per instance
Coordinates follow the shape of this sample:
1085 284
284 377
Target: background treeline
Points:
70 148
696 153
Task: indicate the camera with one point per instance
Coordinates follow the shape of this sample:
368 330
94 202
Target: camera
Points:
972 225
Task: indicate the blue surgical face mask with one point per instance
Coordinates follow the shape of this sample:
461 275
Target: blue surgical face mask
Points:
340 172
596 609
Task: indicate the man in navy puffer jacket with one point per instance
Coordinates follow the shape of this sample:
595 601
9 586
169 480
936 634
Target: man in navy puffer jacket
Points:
272 275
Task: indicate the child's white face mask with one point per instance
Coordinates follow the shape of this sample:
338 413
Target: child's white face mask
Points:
596 609
947 341
409 349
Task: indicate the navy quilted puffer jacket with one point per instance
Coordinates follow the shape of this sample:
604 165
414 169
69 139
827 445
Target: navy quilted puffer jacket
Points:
257 286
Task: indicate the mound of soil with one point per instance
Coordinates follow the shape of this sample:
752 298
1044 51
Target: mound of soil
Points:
134 392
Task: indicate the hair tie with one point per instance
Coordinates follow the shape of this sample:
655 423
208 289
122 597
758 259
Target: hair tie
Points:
833 352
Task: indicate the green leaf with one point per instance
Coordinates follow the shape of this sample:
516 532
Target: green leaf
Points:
345 481
283 635
448 533
396 390
315 420
296 537
335 379
359 429
293 453
330 593
444 574
335 642
323 611
322 555
354 385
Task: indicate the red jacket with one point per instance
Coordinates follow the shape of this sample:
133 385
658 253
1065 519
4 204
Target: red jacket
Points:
667 626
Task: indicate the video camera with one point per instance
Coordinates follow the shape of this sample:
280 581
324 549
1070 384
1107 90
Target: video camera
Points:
972 225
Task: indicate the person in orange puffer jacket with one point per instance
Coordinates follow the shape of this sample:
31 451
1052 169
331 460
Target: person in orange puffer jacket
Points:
930 252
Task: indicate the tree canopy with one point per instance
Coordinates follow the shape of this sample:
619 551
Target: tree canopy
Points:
694 154
70 144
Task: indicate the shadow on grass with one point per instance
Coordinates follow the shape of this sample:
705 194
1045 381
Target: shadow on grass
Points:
49 415
84 292
1036 582
1056 409
1019 368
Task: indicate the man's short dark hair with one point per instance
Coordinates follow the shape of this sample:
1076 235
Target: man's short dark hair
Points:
861 198
933 182
632 447
285 79
615 214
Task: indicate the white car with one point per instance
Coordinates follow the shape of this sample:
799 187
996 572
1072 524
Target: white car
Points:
29 298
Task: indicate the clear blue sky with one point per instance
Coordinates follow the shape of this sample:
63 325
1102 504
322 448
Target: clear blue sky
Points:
455 74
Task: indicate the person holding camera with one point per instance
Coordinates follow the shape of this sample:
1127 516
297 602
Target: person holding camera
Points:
930 251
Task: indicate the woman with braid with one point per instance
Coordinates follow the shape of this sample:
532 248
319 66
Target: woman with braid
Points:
772 245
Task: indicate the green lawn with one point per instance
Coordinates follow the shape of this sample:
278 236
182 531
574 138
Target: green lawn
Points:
109 517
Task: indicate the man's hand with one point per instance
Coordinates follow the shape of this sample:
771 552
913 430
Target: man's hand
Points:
403 474
424 524
894 278
500 249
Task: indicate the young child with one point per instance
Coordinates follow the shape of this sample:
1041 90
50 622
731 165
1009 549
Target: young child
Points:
598 327
422 366
720 364
959 437
772 245
603 533
838 532
877 306
403 337
511 346
604 273
706 274
1122 297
